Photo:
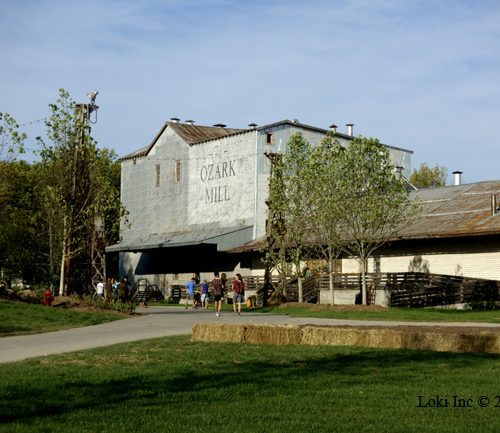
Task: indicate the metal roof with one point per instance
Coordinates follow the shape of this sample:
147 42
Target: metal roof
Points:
225 238
193 134
446 212
196 134
454 211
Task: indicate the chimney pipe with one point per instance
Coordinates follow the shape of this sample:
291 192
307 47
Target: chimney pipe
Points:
349 129
333 127
252 125
494 208
175 119
457 178
190 122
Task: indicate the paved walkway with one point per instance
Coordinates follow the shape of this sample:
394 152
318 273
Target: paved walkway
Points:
161 322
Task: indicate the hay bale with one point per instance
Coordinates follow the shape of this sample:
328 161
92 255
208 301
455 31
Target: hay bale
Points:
273 334
437 339
389 338
480 342
459 341
329 336
218 333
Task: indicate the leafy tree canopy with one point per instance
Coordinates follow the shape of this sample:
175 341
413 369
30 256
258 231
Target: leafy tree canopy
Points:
426 177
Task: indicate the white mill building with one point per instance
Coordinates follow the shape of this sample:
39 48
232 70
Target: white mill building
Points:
198 192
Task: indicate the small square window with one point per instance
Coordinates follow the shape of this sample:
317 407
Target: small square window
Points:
269 138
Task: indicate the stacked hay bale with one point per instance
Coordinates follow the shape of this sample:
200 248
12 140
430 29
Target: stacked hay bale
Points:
412 338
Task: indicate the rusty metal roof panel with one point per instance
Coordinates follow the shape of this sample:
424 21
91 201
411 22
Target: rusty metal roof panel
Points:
193 134
463 210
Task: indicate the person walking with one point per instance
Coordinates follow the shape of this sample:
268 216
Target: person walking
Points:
204 294
237 293
218 292
190 286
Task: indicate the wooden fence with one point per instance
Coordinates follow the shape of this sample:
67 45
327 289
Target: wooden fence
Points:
409 289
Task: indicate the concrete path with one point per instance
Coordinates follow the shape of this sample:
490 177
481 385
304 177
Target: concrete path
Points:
161 322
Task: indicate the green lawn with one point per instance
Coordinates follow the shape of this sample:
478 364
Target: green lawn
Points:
394 314
19 318
173 385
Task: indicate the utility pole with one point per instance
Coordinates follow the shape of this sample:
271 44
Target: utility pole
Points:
98 255
79 174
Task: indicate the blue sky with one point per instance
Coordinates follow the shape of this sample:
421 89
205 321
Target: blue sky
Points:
422 75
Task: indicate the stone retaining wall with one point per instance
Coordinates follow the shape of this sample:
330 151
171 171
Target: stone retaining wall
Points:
439 339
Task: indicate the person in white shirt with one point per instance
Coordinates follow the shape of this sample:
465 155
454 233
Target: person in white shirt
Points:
100 289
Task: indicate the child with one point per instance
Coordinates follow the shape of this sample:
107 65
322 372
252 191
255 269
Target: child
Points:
48 297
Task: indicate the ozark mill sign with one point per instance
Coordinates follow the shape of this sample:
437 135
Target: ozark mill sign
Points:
216 172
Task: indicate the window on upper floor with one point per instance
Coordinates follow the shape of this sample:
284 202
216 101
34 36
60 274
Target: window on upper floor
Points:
269 138
177 176
157 178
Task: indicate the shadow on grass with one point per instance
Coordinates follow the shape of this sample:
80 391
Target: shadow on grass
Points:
206 371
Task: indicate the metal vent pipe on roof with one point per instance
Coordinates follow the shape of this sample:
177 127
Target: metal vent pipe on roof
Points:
220 125
457 178
350 131
252 125
333 127
190 122
175 119
494 208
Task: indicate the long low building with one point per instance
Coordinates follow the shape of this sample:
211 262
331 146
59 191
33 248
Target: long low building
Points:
457 232
197 194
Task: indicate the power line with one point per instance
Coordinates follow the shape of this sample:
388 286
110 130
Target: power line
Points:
34 121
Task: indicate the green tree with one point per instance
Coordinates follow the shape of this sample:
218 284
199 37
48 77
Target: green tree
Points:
22 242
426 177
11 139
289 210
374 200
325 191
15 200
332 199
82 186
275 249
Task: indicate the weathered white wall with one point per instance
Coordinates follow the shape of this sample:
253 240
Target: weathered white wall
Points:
221 182
475 264
216 187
